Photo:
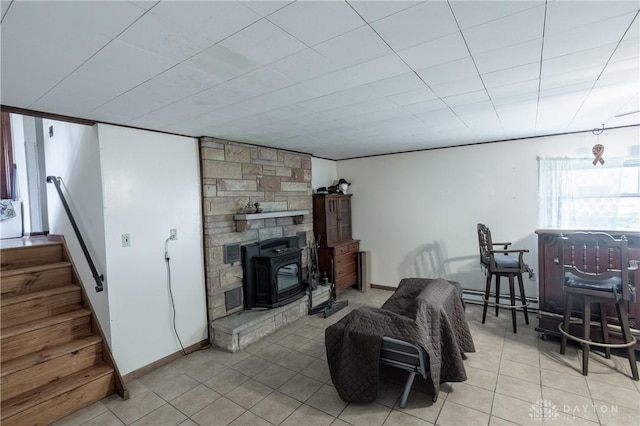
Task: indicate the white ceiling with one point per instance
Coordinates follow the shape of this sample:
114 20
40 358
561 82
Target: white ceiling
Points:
337 79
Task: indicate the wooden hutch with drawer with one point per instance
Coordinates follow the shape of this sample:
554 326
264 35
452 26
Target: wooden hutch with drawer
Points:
338 251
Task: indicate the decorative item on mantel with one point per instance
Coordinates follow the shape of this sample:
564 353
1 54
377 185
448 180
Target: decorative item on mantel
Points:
243 220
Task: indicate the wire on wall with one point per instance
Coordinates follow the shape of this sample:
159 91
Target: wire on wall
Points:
173 306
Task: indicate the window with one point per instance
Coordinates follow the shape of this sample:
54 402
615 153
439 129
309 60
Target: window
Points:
573 193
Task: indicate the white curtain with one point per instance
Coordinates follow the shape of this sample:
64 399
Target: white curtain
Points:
573 193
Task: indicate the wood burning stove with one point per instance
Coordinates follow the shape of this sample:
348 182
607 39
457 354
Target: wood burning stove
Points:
272 273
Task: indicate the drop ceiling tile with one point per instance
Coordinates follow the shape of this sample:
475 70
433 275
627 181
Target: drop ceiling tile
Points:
354 47
305 65
342 98
514 89
627 49
436 52
65 103
214 20
426 106
183 80
466 98
509 57
526 97
4 7
163 37
511 30
398 84
129 106
566 15
222 62
586 37
584 76
511 75
334 82
451 71
371 11
575 61
263 43
130 59
378 69
472 13
265 80
419 24
314 22
474 108
413 97
438 116
458 87
621 72
265 8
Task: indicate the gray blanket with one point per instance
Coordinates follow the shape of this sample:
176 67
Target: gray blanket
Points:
424 311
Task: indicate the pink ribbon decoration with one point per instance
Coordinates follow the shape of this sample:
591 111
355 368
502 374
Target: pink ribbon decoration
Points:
597 151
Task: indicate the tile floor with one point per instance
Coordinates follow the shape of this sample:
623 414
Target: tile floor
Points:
284 380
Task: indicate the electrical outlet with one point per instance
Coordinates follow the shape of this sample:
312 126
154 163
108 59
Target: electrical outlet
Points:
126 240
173 234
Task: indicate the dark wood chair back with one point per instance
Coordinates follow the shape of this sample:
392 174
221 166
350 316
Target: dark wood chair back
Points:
497 264
597 264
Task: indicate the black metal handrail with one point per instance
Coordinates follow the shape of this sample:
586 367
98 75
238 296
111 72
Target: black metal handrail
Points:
97 277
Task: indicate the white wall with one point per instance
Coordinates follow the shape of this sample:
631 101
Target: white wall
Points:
20 160
73 154
323 172
417 212
151 183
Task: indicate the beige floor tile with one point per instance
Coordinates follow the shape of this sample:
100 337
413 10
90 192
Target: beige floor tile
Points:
570 419
135 388
206 370
515 410
225 358
219 413
518 388
315 349
398 418
195 400
453 414
226 381
275 407
614 395
278 335
338 422
471 396
82 415
308 416
421 405
250 419
520 371
327 399
175 387
497 421
481 378
296 361
189 361
188 422
319 370
293 341
528 355
615 371
483 361
389 393
273 352
256 347
104 419
249 393
570 403
574 383
274 376
251 366
135 408
160 376
166 415
365 414
612 414
309 332
300 387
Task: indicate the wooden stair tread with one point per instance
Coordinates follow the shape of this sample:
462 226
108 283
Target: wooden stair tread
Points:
4 273
58 387
28 246
23 297
42 323
13 365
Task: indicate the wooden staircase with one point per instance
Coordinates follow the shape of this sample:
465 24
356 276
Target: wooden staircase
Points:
54 360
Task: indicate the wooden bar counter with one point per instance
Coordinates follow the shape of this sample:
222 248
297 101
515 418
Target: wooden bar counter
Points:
551 295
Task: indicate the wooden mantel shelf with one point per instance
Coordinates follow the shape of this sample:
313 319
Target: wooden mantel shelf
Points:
243 221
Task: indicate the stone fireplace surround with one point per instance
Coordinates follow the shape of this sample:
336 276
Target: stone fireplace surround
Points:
234 175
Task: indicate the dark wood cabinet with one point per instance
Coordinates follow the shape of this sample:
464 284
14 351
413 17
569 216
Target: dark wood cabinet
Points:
338 252
551 294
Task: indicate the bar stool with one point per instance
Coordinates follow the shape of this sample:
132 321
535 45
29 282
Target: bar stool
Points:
595 268
500 263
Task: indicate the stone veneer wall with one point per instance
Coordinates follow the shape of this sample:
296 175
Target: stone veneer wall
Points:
234 174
